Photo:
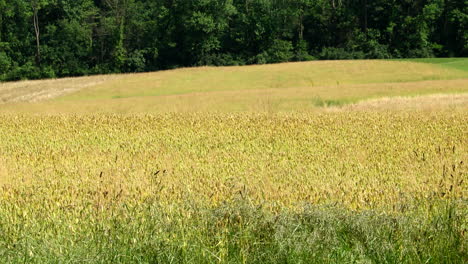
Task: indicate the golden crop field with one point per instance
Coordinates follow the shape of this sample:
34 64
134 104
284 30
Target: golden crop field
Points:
318 162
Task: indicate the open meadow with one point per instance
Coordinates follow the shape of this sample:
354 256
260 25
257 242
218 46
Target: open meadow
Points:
312 162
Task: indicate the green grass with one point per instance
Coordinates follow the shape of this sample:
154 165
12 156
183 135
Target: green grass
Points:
240 233
319 102
454 63
275 76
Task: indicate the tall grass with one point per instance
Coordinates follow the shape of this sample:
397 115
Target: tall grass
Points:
357 187
234 232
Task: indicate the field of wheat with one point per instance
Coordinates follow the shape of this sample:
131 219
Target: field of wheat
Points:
248 168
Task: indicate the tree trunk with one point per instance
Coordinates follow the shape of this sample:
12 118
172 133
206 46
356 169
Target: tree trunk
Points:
1 26
37 32
301 26
365 16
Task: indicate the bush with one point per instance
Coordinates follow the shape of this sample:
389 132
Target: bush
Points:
331 53
261 58
47 72
369 43
103 68
302 53
279 51
5 63
29 71
378 51
420 53
24 72
136 61
224 59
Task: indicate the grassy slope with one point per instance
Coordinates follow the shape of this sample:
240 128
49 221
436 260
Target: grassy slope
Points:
455 63
288 75
279 87
260 187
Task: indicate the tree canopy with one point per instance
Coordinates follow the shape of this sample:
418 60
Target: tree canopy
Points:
57 38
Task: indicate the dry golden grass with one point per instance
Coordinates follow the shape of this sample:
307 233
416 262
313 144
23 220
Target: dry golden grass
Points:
267 88
254 100
433 102
274 100
42 90
286 75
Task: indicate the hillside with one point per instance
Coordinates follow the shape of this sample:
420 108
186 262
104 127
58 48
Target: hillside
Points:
278 87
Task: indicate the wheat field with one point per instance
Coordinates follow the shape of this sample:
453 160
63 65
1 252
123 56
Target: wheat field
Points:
318 162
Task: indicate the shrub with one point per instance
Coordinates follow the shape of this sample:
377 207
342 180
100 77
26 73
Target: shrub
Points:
136 61
223 59
279 51
331 53
5 63
302 53
24 72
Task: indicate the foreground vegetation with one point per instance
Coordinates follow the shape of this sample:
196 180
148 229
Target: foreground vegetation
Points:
231 188
320 162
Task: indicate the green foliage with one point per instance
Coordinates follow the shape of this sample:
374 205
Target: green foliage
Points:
86 37
223 60
369 43
24 72
136 61
5 63
329 102
302 52
234 232
279 51
331 53
455 63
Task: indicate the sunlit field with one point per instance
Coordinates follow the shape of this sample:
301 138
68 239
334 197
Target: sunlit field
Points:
317 162
267 88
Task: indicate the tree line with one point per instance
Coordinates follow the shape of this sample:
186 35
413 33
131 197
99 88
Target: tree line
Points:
57 38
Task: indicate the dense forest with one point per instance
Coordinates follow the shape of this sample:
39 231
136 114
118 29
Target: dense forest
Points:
56 38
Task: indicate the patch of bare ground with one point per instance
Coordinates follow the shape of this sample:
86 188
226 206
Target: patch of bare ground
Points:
426 102
41 90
